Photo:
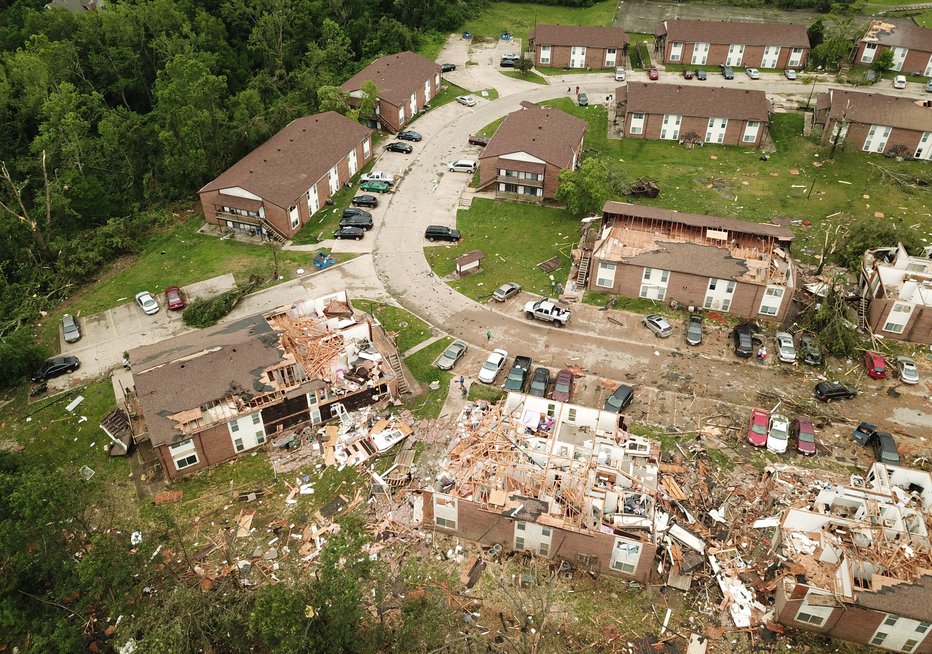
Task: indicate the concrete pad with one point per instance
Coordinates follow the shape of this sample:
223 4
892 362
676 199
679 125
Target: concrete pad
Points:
210 287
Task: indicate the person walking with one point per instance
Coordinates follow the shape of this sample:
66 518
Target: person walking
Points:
577 90
488 334
762 355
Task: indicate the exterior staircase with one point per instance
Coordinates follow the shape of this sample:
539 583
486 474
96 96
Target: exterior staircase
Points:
398 369
273 234
583 271
862 312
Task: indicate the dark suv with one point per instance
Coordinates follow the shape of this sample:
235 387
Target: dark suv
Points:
833 390
744 339
441 233
362 220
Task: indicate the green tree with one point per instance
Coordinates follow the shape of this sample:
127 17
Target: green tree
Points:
333 98
524 65
883 62
868 233
367 101
833 320
584 191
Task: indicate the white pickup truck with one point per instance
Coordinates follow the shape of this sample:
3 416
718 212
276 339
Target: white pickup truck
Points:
547 311
377 176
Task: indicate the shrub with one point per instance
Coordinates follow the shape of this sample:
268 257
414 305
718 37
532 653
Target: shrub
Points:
19 356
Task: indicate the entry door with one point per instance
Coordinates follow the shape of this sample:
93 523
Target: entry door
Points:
876 139
716 130
735 55
924 149
771 56
899 56
578 56
670 130
700 54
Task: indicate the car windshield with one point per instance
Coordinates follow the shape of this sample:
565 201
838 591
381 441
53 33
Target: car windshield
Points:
616 398
806 436
778 432
490 365
451 352
758 428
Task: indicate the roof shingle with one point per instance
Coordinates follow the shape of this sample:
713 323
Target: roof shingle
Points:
703 101
395 76
877 109
692 258
734 32
543 132
902 33
585 35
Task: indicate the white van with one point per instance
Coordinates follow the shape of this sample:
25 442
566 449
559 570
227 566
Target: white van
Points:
619 74
463 166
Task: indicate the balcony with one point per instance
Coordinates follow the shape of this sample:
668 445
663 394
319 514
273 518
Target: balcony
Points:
240 218
510 179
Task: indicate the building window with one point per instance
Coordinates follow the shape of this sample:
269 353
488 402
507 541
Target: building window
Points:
868 55
625 556
234 426
815 615
647 273
571 415
637 124
256 418
890 620
878 638
445 511
809 618
923 627
183 454
530 190
770 304
910 645
509 188
606 275
365 148
750 131
898 317
544 55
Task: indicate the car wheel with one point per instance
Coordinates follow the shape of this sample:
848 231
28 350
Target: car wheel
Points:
431 239
529 315
558 323
359 238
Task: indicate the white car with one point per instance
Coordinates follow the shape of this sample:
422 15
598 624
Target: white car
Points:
786 351
899 82
492 366
511 56
778 434
468 100
620 74
147 303
753 73
790 74
463 166
657 324
906 367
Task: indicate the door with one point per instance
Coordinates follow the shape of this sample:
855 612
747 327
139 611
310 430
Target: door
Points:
899 56
924 149
578 56
771 56
676 51
700 54
670 130
876 139
716 130
735 55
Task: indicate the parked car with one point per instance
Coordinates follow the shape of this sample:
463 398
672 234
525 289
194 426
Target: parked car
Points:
899 82
478 139
506 291
778 435
905 367
885 448
492 366
620 74
349 212
398 146
658 325
409 135
174 299
653 74
929 86
147 303
864 432
790 74
582 100
441 233
362 220
810 350
701 75
727 72
694 330
744 339
510 56
70 329
620 399
375 187
804 433
786 351
452 354
378 176
687 74
753 73
365 201
834 390
508 63
757 430
563 386
463 166
354 233
539 382
447 68
876 365
468 100
55 367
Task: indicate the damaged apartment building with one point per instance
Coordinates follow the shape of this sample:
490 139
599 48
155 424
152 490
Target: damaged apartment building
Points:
860 562
207 396
720 264
553 479
896 292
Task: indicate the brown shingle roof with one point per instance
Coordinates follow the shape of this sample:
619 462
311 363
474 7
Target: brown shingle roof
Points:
586 35
543 132
698 220
903 33
729 32
692 258
878 109
285 166
909 600
395 76
199 367
704 101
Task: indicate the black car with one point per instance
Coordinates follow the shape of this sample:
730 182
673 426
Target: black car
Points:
56 367
355 233
409 135
885 448
441 233
360 221
744 339
727 72
540 382
365 201
507 63
694 330
398 146
349 212
620 399
701 75
833 390
446 68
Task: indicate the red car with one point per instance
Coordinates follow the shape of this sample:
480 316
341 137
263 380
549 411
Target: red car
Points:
653 74
804 433
175 298
478 139
876 365
563 386
757 431
687 74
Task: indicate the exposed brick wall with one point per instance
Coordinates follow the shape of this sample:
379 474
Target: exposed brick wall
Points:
653 125
595 57
718 54
918 329
915 63
857 134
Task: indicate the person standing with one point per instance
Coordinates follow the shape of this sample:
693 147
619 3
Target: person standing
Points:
488 334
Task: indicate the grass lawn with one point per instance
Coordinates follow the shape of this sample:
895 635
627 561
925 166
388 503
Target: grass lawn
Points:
515 237
490 394
421 365
530 76
431 44
409 330
519 17
489 129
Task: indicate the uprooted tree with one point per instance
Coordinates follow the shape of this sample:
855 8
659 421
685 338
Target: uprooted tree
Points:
831 319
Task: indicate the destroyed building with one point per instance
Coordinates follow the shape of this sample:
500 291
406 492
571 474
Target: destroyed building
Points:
558 480
897 293
205 397
860 562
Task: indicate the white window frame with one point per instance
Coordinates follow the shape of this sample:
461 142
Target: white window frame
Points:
626 554
182 452
676 51
401 116
868 48
366 148
545 55
749 135
602 279
900 309
294 216
796 57
767 306
637 124
448 508
333 180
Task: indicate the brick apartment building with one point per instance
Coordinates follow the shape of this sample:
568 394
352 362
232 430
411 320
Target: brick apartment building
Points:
911 45
732 43
578 46
898 291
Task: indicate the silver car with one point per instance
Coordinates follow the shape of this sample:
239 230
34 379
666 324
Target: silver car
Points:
909 373
70 329
658 325
467 100
786 351
506 291
451 355
147 303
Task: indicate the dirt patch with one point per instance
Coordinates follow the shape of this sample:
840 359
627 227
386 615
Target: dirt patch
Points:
644 15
